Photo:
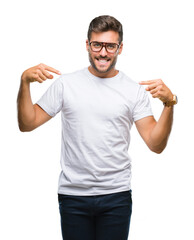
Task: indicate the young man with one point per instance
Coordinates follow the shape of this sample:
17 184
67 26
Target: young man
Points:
98 107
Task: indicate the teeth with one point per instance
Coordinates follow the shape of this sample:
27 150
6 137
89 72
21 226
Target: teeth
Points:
103 61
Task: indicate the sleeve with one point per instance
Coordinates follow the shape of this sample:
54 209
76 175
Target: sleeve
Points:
52 100
142 106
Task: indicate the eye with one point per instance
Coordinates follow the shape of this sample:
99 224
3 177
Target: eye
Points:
96 44
111 46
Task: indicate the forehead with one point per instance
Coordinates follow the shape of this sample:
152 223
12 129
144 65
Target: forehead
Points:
109 36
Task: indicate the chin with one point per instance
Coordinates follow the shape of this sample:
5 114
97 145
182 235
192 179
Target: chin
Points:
103 69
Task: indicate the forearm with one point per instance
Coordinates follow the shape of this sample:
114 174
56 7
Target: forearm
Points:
161 131
26 112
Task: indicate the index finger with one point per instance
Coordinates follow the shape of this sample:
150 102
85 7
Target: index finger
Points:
50 69
148 82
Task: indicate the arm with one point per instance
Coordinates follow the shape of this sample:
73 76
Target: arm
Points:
32 116
156 134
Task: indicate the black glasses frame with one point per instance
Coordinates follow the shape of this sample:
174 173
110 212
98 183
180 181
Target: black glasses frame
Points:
104 44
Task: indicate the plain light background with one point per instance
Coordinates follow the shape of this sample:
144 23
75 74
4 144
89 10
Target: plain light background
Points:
158 43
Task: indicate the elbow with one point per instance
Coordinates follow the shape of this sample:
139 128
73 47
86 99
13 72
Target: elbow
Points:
157 149
24 128
21 129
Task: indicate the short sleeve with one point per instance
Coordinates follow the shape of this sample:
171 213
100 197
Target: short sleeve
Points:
142 107
52 100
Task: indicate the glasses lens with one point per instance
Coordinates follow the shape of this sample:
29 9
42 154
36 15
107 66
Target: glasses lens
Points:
111 47
96 46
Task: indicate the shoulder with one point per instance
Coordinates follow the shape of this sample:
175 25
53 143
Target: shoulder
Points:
131 85
71 76
129 81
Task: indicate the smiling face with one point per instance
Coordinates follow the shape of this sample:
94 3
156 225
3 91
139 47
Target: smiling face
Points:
102 62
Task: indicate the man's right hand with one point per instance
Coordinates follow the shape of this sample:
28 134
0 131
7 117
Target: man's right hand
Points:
38 73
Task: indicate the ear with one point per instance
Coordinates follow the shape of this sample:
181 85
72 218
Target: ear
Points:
87 45
121 48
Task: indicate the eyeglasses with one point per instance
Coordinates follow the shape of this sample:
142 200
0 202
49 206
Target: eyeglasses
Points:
110 47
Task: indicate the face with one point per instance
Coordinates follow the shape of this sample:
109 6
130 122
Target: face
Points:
103 63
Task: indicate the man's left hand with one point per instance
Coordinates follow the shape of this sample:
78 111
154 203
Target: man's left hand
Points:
158 89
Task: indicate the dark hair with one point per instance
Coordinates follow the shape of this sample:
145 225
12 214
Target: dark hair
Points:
105 23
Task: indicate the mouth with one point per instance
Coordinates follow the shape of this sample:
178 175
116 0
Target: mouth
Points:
103 61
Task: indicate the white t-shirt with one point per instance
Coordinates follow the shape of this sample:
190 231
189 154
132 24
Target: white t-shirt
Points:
97 115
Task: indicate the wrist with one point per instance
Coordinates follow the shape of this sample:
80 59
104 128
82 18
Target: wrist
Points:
172 102
24 79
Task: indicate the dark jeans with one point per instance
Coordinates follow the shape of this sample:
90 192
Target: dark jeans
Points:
101 217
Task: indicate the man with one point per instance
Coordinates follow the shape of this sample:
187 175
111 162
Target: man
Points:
98 107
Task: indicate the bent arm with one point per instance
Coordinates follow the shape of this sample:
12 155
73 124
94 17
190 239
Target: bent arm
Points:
29 116
156 134
32 116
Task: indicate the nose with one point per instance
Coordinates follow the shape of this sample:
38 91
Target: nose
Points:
103 52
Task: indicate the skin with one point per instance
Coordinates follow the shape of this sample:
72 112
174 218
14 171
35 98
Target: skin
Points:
154 133
97 68
32 116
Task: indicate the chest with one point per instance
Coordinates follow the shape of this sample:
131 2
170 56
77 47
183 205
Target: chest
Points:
96 102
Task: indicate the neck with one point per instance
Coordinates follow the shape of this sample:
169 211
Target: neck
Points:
113 72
